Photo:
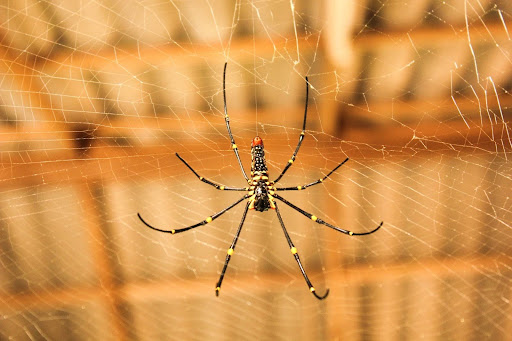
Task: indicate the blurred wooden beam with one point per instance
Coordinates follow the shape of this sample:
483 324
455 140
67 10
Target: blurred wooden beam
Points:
474 112
352 275
407 120
413 111
435 137
434 35
107 287
10 134
56 296
176 52
107 162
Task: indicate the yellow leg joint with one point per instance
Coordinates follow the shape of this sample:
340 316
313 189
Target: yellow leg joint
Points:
209 219
230 251
321 180
234 146
201 178
314 218
350 232
312 289
217 289
293 250
299 187
222 188
290 161
173 231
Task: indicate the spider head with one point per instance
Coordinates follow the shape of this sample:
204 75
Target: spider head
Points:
257 141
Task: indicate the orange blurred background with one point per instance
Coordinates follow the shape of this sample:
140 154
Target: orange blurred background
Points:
97 97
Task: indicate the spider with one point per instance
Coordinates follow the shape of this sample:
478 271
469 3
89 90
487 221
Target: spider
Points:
262 194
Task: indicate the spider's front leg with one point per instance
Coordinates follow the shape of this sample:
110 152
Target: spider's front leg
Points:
298 188
228 127
301 137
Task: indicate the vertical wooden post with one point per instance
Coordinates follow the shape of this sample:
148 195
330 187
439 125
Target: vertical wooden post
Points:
105 271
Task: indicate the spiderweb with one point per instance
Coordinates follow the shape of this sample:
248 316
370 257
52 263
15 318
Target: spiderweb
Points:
97 97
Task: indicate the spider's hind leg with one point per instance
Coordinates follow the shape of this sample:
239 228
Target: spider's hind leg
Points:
320 221
293 250
231 250
204 222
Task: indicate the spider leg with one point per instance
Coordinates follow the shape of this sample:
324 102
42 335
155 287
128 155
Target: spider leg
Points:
211 183
293 249
226 118
320 221
301 137
298 188
231 250
204 222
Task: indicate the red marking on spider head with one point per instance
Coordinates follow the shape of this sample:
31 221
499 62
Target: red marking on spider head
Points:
257 141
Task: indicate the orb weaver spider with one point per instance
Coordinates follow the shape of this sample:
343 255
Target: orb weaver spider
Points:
261 194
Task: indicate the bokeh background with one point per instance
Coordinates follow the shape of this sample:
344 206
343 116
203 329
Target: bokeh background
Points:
96 97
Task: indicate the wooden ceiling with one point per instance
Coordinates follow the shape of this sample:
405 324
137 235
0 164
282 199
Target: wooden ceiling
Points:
77 76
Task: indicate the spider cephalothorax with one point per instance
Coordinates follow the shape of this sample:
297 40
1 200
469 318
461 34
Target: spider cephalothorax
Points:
261 194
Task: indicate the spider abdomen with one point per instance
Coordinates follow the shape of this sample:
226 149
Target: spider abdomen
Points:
261 194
